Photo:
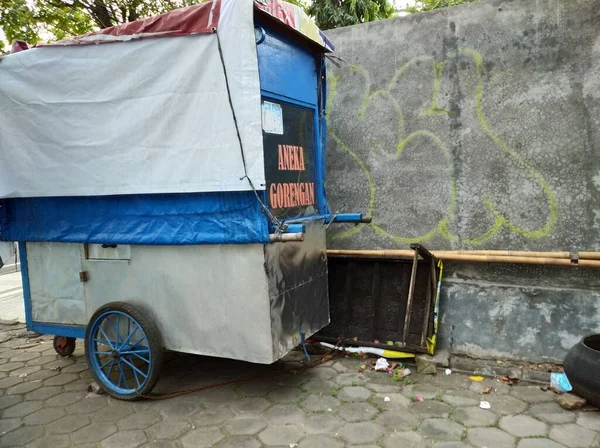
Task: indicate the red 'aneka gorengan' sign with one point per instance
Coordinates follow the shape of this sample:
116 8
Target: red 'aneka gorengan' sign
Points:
283 195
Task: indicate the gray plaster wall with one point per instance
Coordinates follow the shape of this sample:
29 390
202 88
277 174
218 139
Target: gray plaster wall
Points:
477 127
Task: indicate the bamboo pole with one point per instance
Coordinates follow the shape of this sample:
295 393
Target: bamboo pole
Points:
589 255
512 253
466 258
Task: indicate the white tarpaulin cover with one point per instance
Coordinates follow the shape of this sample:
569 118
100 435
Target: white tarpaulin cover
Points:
135 116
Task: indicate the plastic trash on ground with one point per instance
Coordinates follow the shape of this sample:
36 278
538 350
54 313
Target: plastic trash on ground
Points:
382 365
484 405
560 382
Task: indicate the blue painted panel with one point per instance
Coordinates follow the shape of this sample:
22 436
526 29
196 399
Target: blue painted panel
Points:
70 331
194 218
285 68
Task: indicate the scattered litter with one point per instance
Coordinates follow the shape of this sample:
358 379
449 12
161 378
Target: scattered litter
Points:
329 410
363 351
292 445
510 380
488 390
590 408
484 405
448 372
376 341
545 387
403 373
56 369
362 368
476 378
23 375
386 399
570 401
560 382
382 365
420 398
95 388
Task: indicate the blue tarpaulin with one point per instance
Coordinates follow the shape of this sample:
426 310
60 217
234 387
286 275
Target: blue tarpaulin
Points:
195 218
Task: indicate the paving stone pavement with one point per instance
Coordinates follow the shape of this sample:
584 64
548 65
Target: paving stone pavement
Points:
44 402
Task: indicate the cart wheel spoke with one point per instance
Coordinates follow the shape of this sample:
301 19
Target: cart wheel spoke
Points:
127 363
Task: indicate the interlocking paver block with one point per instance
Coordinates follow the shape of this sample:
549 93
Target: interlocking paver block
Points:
442 429
24 387
249 406
9 424
506 404
75 368
398 420
284 414
589 420
95 432
239 442
202 438
139 420
44 416
532 394
10 366
22 409
351 379
320 403
179 407
168 429
572 435
357 433
498 387
317 386
246 426
551 412
115 411
65 399
25 371
42 375
462 398
322 424
285 395
125 439
88 405
61 380
68 424
356 412
60 441
490 437
212 417
324 373
429 408
255 389
424 390
10 381
474 416
354 393
10 400
394 402
22 436
279 435
24 356
404 439
523 426
321 441
538 443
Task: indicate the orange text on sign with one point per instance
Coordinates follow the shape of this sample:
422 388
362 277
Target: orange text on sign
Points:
283 195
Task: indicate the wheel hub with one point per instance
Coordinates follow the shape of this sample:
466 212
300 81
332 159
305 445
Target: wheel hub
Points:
115 354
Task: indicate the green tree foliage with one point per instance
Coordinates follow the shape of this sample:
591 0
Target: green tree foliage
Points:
428 5
37 20
330 14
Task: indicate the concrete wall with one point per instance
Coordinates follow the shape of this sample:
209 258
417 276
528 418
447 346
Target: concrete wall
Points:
478 127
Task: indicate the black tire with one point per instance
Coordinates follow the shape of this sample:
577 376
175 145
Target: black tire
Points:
155 345
63 345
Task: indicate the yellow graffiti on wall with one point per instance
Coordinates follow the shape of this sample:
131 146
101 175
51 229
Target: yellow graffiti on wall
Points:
442 227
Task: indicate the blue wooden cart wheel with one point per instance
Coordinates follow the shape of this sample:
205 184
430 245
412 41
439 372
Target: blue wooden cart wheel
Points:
124 350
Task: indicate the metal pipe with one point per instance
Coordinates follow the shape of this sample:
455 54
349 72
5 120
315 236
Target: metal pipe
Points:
285 237
454 256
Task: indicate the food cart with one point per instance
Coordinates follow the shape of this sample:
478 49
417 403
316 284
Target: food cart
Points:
164 180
